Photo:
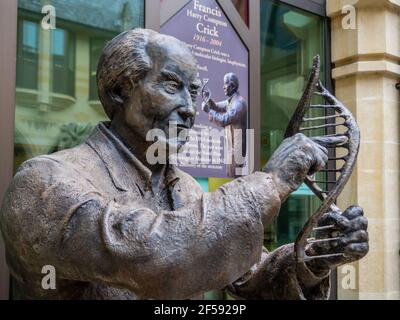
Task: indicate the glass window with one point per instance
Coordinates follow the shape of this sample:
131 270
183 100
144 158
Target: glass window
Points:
63 56
96 47
53 110
56 98
29 36
27 54
289 40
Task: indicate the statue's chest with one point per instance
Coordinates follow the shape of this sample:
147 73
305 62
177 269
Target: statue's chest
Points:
167 198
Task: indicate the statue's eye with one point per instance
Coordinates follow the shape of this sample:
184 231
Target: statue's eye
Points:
171 86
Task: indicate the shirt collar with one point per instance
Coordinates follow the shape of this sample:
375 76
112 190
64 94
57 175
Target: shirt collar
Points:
232 97
122 164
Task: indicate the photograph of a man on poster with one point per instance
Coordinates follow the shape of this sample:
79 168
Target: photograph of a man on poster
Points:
230 114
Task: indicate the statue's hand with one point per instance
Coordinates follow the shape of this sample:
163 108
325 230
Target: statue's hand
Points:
205 107
206 94
296 157
351 230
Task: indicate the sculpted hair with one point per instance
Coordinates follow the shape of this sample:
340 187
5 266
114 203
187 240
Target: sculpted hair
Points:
124 58
233 78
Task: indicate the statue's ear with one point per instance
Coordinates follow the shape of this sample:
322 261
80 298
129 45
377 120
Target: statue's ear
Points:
122 93
116 96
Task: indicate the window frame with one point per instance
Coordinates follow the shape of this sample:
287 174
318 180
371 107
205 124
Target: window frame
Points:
70 47
20 50
8 54
307 5
93 86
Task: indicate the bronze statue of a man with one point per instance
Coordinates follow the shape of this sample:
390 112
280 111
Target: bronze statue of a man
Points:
230 114
114 226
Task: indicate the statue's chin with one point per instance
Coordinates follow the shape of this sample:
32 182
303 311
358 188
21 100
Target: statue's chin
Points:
175 146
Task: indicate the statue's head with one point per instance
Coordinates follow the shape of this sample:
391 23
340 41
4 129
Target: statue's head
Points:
147 80
231 84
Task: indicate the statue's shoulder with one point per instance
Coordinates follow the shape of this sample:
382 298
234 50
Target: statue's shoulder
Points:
59 162
241 99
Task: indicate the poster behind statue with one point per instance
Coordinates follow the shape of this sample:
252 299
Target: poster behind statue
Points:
204 27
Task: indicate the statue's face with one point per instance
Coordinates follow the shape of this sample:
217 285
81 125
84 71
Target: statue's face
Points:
229 87
166 95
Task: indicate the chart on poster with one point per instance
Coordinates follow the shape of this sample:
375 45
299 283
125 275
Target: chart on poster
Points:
219 51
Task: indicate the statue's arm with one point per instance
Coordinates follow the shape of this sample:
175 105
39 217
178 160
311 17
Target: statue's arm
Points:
277 277
88 236
220 106
227 118
54 214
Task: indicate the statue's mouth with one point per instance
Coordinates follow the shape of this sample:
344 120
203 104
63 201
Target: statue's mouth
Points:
182 126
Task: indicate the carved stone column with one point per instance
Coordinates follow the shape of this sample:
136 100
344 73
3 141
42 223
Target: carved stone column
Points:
366 69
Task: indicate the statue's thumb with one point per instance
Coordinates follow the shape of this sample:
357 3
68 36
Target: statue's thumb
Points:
330 141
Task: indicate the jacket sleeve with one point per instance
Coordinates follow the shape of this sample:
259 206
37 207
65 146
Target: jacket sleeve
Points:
220 106
224 119
278 277
56 217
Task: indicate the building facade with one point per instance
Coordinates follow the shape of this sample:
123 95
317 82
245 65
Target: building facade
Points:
366 70
48 99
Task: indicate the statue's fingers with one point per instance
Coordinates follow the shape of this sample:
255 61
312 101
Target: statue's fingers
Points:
329 142
324 157
288 148
359 236
322 149
357 249
327 218
336 219
353 212
320 160
360 223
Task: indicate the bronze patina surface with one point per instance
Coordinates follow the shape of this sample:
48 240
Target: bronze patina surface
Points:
115 226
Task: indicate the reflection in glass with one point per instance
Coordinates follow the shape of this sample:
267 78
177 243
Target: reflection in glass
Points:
289 40
56 96
58 45
27 57
96 47
63 55
30 36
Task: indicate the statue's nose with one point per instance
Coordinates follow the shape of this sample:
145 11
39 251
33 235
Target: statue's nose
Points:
186 110
187 113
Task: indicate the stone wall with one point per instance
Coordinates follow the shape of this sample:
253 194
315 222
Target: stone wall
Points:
366 69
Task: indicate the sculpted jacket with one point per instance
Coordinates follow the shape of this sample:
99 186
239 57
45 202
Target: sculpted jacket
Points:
231 114
91 213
